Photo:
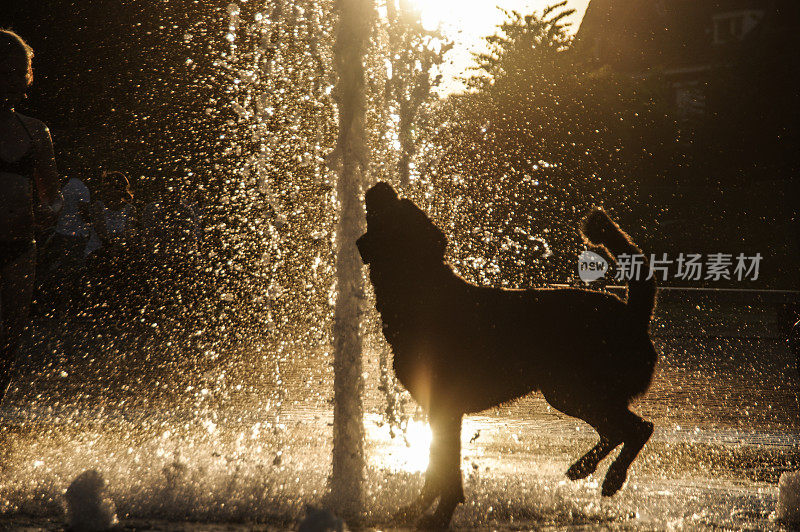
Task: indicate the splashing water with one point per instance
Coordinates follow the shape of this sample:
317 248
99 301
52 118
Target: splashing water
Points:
88 507
230 420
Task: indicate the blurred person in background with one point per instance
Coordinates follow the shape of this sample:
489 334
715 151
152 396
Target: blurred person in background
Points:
29 196
113 215
62 263
169 229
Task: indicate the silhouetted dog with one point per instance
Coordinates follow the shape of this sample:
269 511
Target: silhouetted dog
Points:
461 348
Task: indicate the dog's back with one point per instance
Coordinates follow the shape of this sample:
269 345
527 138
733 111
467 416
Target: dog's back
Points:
481 339
490 346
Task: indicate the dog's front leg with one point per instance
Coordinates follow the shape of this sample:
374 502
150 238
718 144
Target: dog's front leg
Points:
443 478
430 490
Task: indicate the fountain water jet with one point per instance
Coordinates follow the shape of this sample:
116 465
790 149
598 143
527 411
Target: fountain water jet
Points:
352 37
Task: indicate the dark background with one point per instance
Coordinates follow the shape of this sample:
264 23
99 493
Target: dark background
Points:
113 84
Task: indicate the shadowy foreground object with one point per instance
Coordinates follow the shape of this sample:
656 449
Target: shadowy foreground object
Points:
461 348
88 507
321 520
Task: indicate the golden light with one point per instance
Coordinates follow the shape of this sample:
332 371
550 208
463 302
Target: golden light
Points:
408 454
467 22
467 16
478 18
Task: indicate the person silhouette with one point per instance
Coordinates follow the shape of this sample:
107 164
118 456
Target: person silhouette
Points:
29 196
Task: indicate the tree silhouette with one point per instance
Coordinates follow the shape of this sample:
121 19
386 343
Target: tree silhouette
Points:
412 54
541 138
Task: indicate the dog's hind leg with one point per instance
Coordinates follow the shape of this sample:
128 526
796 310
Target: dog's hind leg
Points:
621 427
615 425
635 432
587 464
609 440
594 413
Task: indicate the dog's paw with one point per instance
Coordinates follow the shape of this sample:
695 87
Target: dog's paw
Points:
615 479
581 469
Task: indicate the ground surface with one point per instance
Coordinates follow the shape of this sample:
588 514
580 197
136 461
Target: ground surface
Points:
724 399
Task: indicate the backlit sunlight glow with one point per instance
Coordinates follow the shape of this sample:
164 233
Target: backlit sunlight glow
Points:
468 16
467 22
399 454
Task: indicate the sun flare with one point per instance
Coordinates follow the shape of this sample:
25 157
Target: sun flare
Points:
468 22
407 452
478 18
465 15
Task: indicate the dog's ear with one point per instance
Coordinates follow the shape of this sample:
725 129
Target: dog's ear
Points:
365 245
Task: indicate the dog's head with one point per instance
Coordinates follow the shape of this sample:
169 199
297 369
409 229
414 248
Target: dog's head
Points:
397 229
382 205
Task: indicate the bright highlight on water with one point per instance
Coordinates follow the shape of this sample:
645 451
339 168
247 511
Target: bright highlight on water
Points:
200 381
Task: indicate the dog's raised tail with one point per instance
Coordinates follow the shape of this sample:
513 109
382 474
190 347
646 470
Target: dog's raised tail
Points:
600 230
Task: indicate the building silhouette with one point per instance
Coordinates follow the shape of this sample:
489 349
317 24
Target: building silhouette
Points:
688 42
727 70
